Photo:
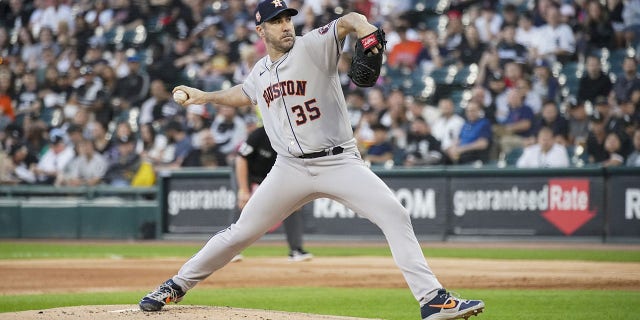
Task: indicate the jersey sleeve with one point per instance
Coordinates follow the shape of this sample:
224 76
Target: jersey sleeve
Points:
323 46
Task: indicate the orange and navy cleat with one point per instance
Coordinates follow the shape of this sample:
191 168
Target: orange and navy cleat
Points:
445 306
167 292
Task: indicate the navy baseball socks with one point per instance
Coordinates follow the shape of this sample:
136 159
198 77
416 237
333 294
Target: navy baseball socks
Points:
165 293
444 306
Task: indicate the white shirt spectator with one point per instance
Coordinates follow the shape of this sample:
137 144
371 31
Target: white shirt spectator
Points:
494 25
526 37
51 161
549 39
534 157
447 130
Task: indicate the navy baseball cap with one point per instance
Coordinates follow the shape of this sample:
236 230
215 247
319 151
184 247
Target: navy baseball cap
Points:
269 9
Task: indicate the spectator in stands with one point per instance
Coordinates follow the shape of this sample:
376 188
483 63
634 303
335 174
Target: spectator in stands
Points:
594 83
598 30
546 153
447 127
54 161
356 104
432 53
229 131
509 14
612 122
474 140
631 17
86 93
595 140
17 14
488 23
578 123
124 164
614 150
628 81
27 101
159 107
86 169
22 164
405 52
471 48
555 40
531 98
544 83
134 87
454 31
152 145
422 147
28 48
516 131
381 150
74 137
6 96
36 139
183 155
634 158
98 134
526 31
509 50
550 117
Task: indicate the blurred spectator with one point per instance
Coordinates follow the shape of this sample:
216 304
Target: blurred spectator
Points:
229 131
6 104
489 23
159 107
454 31
75 136
422 147
447 127
628 81
23 164
508 49
598 30
544 83
531 98
614 8
100 138
475 137
546 153
634 158
124 164
381 150
517 128
27 101
431 55
578 123
86 92
526 31
133 88
152 145
86 169
471 48
614 150
550 117
16 14
631 17
54 161
405 52
555 40
594 83
356 104
595 140
184 155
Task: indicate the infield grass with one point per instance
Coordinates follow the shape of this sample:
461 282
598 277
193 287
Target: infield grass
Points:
373 303
36 250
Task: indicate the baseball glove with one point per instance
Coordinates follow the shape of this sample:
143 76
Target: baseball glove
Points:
365 66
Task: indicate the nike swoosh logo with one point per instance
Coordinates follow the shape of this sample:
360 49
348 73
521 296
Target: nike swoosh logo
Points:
263 71
449 305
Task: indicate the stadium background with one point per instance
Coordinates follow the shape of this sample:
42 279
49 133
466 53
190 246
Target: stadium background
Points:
102 71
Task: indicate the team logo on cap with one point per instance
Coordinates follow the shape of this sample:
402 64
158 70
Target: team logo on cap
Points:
258 16
277 3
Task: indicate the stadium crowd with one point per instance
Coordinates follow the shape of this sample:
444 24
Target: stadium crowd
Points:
85 85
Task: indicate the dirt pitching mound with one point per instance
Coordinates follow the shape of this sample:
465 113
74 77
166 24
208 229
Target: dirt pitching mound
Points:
132 312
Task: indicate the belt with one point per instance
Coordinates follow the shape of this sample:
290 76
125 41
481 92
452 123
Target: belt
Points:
334 150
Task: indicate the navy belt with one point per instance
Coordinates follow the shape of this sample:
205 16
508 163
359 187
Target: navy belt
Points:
335 150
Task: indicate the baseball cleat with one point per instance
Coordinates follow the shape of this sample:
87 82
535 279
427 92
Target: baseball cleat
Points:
165 293
299 255
237 258
444 306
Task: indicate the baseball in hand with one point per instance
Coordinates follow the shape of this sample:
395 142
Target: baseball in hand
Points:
180 96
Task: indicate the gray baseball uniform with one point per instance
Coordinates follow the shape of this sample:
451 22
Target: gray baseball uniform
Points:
305 116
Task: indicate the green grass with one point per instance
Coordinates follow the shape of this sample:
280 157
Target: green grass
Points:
373 303
31 250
